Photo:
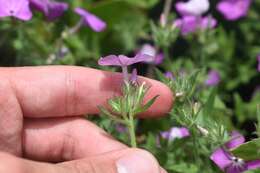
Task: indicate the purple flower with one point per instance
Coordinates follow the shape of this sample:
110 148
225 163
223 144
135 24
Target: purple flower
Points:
121 128
122 60
133 78
169 75
51 9
258 66
213 78
148 49
15 8
91 20
175 132
192 7
233 9
189 24
231 164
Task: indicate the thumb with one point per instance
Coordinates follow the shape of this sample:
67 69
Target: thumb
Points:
124 161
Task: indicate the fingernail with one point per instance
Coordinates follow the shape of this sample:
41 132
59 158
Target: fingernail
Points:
137 162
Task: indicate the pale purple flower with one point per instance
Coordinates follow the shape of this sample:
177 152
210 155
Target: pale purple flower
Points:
193 7
229 163
91 20
159 58
150 50
169 75
15 8
122 60
121 128
234 9
133 78
190 24
175 132
51 9
213 78
258 65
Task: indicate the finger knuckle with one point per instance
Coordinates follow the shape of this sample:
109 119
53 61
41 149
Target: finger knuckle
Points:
71 100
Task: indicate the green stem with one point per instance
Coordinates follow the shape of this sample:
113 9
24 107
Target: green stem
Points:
167 9
167 60
131 126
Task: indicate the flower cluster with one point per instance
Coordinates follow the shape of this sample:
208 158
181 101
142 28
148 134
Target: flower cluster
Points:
192 12
22 10
192 16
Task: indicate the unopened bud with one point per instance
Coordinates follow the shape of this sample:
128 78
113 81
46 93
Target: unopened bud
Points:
179 94
203 131
163 20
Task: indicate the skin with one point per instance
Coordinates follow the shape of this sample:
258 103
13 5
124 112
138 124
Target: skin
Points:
41 124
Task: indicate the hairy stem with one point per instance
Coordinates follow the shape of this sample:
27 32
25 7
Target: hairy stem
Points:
131 127
125 73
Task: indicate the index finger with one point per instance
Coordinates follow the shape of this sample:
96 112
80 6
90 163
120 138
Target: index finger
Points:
67 90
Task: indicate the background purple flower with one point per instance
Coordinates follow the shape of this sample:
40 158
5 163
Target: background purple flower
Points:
91 20
213 78
121 128
189 24
50 9
15 8
150 50
233 9
231 164
192 7
175 132
169 75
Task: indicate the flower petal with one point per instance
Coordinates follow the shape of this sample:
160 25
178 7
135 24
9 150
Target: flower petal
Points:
175 132
15 8
56 9
51 9
237 139
221 158
91 20
213 78
253 164
187 24
193 7
233 10
109 60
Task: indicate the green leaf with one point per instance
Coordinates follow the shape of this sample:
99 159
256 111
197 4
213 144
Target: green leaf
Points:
113 117
143 3
146 106
192 81
248 151
115 104
208 107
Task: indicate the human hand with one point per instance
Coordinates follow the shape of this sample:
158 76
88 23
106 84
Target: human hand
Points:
40 110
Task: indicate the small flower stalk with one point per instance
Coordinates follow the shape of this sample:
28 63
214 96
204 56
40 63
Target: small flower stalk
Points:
125 108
